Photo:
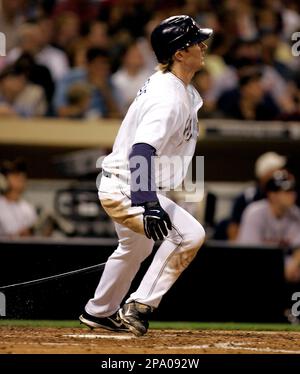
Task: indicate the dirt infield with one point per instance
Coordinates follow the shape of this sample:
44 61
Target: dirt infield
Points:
77 340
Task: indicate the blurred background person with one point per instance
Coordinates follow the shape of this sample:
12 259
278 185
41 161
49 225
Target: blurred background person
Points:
67 30
19 97
17 216
203 82
265 165
38 75
275 220
96 35
249 101
131 75
78 102
34 39
144 44
11 17
87 10
104 101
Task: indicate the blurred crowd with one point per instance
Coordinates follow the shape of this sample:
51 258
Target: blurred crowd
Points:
88 58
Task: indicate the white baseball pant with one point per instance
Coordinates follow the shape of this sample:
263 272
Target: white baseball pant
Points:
172 257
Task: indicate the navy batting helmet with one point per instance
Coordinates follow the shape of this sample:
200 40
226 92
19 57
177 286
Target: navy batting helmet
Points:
176 33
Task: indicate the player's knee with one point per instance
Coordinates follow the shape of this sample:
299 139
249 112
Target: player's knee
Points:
195 238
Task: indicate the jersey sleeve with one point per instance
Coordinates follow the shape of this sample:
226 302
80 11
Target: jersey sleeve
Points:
158 124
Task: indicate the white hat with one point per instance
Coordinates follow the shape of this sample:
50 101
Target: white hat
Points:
268 162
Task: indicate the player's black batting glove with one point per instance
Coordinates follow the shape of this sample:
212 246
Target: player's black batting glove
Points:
156 221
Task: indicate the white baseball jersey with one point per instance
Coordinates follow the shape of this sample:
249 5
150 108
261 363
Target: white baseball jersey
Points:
164 115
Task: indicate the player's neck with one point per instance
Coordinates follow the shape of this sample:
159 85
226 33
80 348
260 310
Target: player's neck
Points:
184 75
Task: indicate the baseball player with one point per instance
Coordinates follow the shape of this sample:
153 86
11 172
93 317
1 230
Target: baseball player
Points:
160 123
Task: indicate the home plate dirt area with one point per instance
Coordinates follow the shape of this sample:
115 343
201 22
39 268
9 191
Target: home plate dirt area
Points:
77 340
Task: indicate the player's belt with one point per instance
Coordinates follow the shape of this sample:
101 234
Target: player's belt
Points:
106 174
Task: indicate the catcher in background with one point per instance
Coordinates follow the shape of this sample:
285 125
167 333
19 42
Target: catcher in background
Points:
161 122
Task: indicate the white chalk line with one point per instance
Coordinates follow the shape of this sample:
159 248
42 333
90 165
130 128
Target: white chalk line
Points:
233 346
87 336
47 343
226 346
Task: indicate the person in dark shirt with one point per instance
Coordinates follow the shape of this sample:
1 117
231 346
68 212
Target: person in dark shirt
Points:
37 74
249 101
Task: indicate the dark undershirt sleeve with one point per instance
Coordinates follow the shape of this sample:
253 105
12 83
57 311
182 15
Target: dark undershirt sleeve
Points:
142 169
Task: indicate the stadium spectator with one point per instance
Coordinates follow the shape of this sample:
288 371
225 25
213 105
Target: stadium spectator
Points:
275 220
87 10
126 15
67 27
104 100
250 33
33 41
131 75
17 216
96 35
52 57
37 74
19 97
145 45
265 166
203 83
273 53
76 53
78 102
244 57
249 101
11 18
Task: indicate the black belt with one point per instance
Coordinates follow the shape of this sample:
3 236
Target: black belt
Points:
106 173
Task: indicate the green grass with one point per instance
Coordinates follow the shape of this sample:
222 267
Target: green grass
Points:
165 325
225 326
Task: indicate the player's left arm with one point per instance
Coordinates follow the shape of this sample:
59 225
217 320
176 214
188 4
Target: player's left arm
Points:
143 191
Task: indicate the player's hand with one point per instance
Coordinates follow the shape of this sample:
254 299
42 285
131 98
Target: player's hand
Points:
156 221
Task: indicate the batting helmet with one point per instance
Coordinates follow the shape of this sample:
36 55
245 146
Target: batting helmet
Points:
176 33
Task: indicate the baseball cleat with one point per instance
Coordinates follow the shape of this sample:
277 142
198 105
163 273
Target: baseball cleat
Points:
112 323
134 315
